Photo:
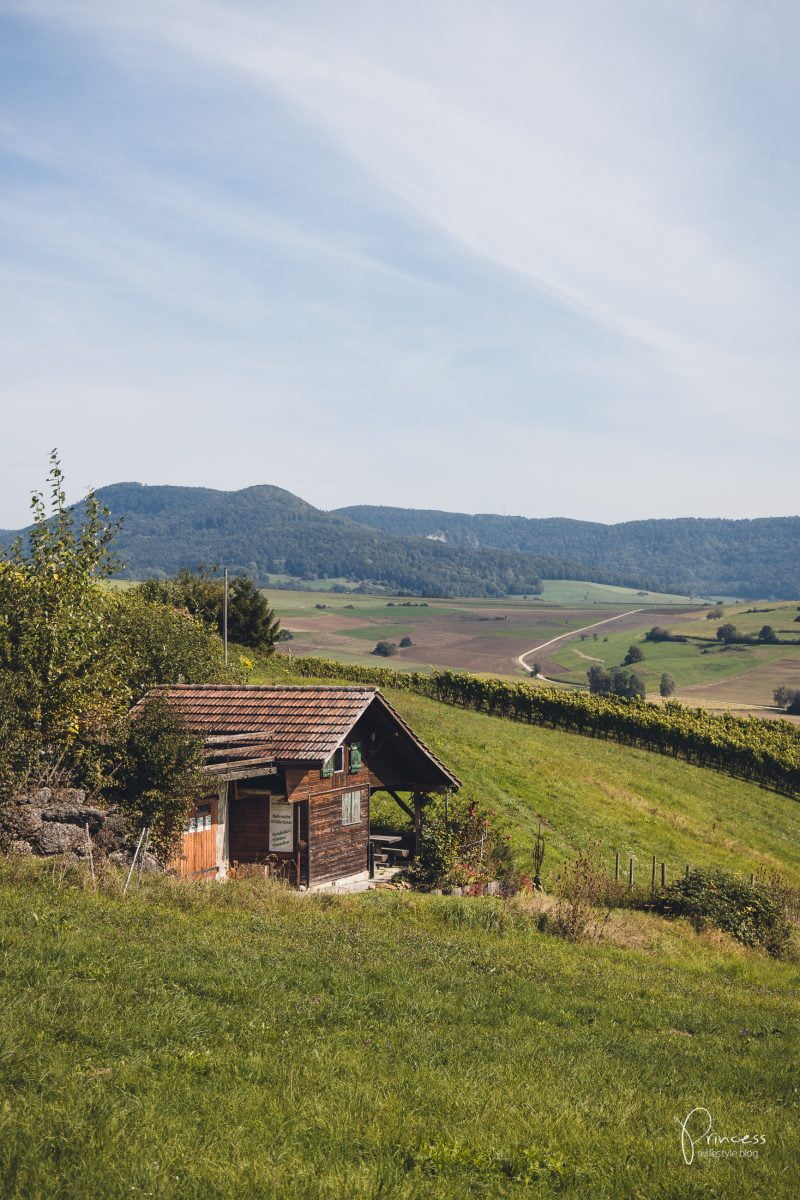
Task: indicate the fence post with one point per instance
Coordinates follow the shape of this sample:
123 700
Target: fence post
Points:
663 874
653 877
688 870
616 867
630 874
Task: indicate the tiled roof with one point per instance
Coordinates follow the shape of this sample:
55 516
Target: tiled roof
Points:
299 723
261 724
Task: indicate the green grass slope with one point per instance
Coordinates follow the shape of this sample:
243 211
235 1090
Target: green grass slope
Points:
589 791
195 1041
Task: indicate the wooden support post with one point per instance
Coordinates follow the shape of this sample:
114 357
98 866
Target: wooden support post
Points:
752 878
417 825
630 874
688 870
653 877
89 849
402 803
663 874
616 867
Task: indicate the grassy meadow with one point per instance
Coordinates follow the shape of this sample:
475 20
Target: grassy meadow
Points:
589 792
236 1040
201 1040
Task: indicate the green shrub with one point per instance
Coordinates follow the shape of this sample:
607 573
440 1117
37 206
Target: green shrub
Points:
460 847
161 774
750 912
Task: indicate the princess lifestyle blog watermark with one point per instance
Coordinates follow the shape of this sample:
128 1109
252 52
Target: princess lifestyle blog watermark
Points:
700 1140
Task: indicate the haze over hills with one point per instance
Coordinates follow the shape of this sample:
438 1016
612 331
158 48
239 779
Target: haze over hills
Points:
268 532
696 555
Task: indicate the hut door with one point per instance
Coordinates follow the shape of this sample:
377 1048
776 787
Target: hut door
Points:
198 854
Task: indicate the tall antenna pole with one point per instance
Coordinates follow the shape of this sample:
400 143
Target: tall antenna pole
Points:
225 616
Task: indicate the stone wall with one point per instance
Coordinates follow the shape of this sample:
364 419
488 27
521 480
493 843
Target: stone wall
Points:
54 821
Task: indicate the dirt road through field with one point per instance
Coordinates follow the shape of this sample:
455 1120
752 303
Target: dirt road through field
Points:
565 637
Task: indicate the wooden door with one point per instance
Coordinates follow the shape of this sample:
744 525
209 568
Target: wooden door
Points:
248 829
198 854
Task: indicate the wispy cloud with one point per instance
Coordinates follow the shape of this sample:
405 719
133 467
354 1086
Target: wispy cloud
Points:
589 178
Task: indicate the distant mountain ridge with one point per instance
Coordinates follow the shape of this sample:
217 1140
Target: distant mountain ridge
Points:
266 531
700 555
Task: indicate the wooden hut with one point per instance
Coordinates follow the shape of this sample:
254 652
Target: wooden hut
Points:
291 773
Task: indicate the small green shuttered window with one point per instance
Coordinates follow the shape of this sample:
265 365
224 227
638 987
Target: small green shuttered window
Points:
355 757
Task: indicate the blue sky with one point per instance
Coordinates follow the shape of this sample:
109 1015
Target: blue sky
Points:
523 257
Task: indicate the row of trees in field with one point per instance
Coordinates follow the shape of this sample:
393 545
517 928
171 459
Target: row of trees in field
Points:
766 752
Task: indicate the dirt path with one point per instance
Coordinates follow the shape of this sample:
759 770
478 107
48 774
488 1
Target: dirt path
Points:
565 637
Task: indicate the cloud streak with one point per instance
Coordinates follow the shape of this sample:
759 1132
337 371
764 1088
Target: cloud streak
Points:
579 179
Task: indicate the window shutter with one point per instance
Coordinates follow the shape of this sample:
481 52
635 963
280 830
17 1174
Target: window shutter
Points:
355 757
327 769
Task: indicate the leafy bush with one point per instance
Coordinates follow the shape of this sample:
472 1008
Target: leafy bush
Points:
385 649
156 643
460 847
161 772
750 912
581 887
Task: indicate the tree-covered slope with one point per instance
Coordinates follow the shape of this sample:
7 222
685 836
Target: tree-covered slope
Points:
749 558
265 530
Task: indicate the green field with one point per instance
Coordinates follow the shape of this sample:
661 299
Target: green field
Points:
701 660
595 793
577 592
204 1040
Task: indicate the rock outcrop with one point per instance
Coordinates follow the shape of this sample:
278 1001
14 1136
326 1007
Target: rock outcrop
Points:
55 821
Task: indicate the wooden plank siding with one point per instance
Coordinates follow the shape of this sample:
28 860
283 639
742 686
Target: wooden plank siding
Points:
197 857
334 850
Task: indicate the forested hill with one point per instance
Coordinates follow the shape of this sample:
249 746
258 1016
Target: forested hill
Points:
267 531
702 555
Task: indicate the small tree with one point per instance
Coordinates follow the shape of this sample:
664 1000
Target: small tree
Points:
385 649
599 680
161 775
634 655
728 633
658 634
251 621
53 634
628 684
536 670
405 642
767 634
666 685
